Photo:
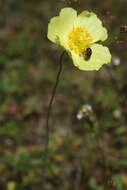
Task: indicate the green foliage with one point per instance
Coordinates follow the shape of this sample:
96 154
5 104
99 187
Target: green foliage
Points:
88 136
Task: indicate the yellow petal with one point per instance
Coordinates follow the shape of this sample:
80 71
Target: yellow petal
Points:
59 26
53 31
100 55
93 24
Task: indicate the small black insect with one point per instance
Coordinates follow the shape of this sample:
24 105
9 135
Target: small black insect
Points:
88 54
123 28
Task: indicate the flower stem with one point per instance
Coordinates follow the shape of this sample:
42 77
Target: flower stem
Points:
51 100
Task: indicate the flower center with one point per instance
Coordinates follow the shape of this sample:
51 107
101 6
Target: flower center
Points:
79 40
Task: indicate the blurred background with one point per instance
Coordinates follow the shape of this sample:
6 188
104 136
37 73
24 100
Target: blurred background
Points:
88 125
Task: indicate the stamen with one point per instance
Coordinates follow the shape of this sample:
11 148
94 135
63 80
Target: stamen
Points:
79 39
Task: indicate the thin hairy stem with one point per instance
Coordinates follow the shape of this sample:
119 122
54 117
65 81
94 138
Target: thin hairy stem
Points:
51 100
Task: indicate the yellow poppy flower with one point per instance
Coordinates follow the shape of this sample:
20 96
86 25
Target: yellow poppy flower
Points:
78 35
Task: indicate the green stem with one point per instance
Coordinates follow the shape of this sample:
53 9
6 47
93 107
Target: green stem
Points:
51 100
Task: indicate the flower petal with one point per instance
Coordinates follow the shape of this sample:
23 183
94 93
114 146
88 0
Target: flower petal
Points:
53 29
93 24
100 55
59 26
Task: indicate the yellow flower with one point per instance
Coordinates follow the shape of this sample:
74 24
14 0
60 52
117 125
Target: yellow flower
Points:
78 35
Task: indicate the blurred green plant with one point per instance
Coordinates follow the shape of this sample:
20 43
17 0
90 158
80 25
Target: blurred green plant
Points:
88 147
